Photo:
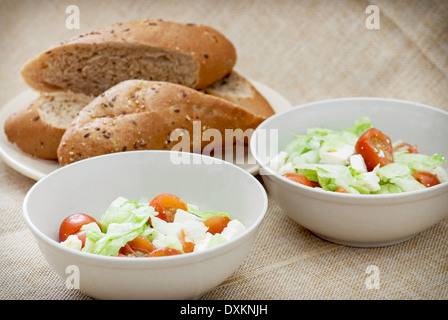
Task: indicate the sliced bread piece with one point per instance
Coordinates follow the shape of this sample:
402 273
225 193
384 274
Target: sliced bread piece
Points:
38 128
192 55
237 89
142 115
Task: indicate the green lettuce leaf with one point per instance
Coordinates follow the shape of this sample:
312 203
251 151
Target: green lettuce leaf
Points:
419 162
302 144
388 188
329 176
398 176
204 214
118 211
122 222
394 170
360 126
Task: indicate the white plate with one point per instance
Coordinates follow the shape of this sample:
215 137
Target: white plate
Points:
36 169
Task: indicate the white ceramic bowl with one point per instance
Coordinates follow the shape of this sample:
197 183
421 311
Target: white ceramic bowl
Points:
90 185
357 220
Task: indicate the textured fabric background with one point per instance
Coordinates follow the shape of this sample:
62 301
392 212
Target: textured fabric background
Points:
305 50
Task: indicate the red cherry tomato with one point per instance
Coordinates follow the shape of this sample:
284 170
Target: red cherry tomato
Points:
411 149
82 235
427 179
187 246
375 147
340 190
216 223
164 252
166 205
315 184
140 244
126 251
73 223
299 178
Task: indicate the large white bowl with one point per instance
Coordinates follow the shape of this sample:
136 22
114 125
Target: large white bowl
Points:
357 220
90 185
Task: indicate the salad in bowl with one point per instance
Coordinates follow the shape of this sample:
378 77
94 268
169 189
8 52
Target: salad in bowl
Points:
165 226
359 160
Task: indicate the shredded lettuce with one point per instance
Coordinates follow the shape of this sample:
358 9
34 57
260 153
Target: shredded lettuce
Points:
122 222
119 211
393 170
204 214
388 188
168 241
360 126
398 178
419 162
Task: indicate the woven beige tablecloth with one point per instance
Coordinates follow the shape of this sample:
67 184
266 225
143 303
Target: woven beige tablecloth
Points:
306 51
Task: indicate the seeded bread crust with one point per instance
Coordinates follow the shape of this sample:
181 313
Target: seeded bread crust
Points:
237 89
142 115
37 128
189 54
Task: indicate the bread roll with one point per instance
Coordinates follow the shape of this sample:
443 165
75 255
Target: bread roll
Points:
142 115
38 128
237 89
188 54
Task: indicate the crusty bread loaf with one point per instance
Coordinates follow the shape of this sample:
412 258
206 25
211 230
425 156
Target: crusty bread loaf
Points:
188 54
237 89
38 128
138 114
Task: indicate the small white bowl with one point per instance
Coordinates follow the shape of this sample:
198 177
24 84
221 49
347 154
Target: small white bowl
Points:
90 185
348 219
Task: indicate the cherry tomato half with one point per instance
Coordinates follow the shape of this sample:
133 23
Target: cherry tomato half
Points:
164 252
411 149
216 223
139 244
375 147
166 205
299 178
126 251
427 179
187 246
82 235
340 190
73 223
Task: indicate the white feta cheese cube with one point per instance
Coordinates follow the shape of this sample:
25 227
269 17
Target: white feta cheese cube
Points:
234 228
278 161
204 243
357 163
287 168
194 230
181 216
72 242
166 228
339 156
